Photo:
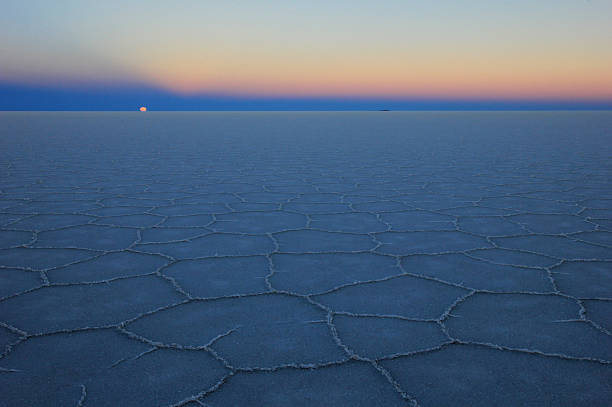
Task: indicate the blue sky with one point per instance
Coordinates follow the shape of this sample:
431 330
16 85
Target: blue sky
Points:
311 55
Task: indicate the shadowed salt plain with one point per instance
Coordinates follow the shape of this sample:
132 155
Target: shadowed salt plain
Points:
306 259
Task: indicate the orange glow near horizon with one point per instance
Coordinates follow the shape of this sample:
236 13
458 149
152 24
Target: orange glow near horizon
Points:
361 70
434 87
433 81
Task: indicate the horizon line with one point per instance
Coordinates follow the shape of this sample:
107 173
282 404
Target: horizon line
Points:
509 110
27 98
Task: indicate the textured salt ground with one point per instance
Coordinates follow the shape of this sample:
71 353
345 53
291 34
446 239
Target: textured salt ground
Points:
315 259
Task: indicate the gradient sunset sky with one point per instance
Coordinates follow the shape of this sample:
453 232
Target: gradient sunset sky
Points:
90 55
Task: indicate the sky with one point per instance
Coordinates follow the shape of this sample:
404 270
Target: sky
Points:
305 55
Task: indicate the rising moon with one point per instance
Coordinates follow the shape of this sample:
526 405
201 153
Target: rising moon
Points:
143 109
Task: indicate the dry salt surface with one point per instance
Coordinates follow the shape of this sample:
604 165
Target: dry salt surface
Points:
306 259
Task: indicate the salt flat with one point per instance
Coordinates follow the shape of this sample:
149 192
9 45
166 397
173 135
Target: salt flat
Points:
307 259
